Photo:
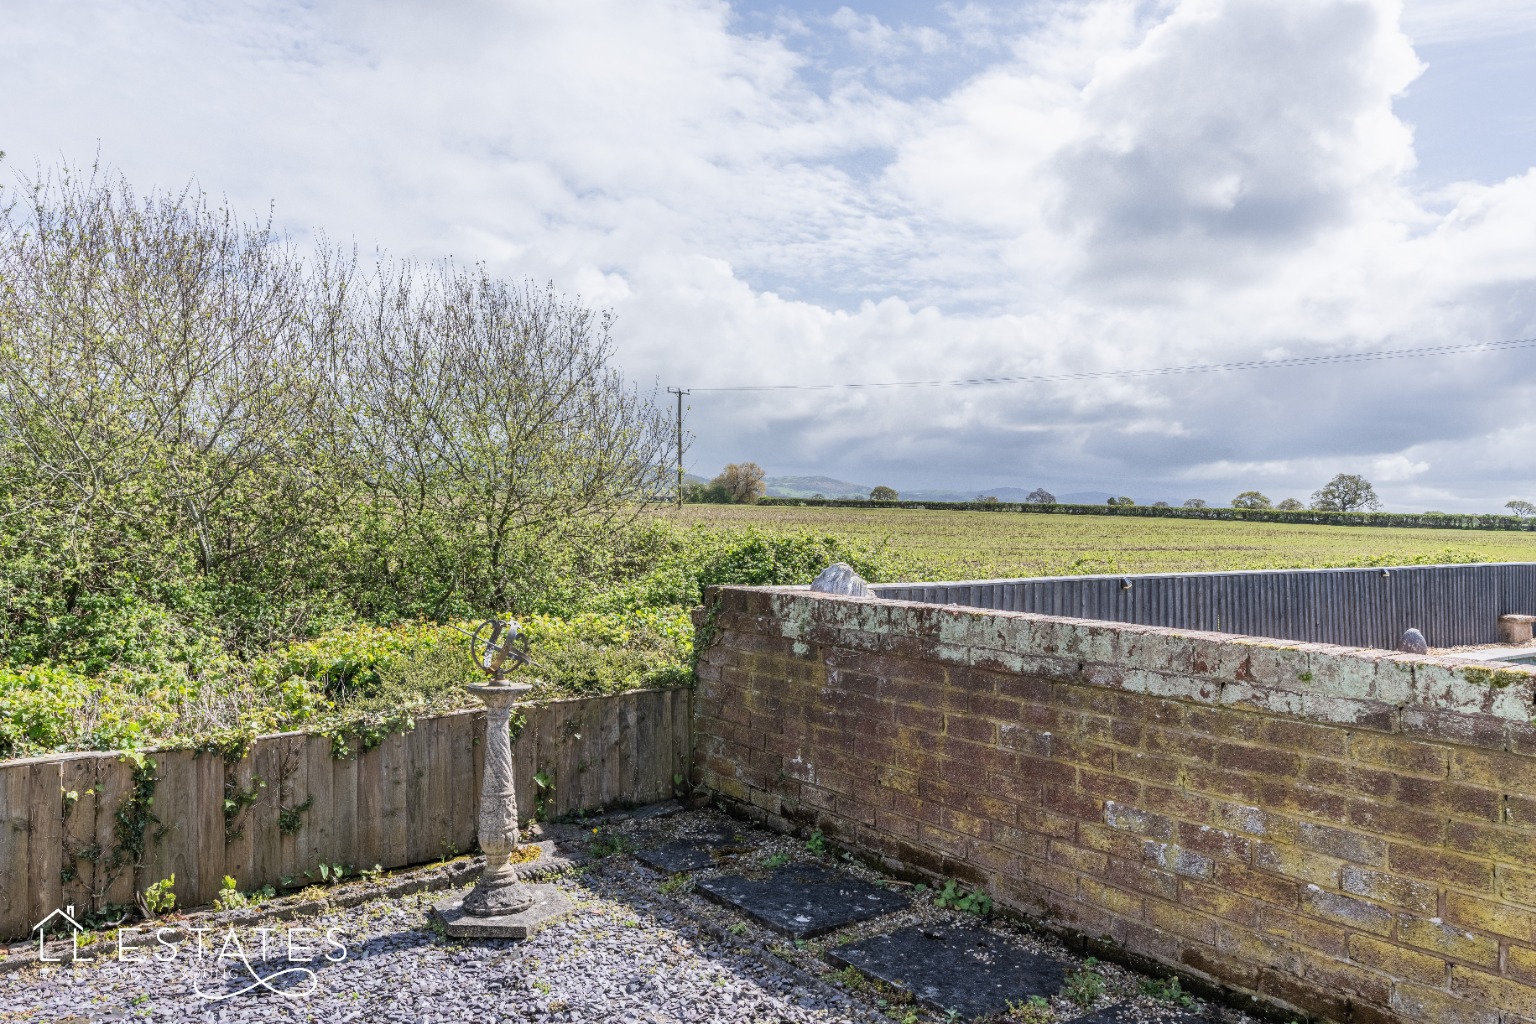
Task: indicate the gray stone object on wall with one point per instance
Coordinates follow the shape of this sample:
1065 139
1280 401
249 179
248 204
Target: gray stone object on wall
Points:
839 578
1413 642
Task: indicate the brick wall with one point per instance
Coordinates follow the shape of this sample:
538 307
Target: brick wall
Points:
1335 831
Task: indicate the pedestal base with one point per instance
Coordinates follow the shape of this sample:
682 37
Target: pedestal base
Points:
549 905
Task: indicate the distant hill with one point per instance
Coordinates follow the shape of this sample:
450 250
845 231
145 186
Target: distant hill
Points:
831 487
808 486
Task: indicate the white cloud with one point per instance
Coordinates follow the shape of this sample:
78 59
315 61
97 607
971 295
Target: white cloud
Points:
1100 184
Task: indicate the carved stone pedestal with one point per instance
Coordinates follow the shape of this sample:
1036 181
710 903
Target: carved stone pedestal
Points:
500 905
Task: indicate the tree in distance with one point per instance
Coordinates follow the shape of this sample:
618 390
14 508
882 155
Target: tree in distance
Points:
741 482
883 493
1347 492
1194 503
1523 509
987 499
1159 504
1251 499
1041 496
1122 500
1290 505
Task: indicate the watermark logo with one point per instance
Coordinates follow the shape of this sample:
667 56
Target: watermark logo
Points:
296 946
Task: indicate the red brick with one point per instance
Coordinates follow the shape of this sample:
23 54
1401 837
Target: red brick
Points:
1440 866
1389 889
1223 723
1507 773
1142 877
1089 862
1261 885
1145 766
1352 778
1343 844
1234 785
1049 772
1083 752
1215 842
1176 803
1108 787
971 728
1390 819
1218 902
1307 800
1358 914
1468 730
1507 845
1184 745
1072 802
1047 822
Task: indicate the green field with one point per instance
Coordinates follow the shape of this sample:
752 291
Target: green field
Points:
936 545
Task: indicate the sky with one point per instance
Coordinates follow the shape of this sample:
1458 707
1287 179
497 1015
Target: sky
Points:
815 193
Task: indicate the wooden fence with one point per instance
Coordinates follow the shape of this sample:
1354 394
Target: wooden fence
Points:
1450 604
68 822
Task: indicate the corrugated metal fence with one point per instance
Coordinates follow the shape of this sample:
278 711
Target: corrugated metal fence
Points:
1450 604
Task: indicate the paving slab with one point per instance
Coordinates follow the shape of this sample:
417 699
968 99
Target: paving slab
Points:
802 900
694 852
966 969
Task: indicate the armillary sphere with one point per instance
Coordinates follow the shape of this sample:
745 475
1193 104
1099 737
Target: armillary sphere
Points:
494 642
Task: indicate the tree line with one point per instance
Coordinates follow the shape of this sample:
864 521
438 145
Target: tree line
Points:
743 483
196 415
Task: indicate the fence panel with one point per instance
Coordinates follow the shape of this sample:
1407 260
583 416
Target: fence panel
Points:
412 799
1369 607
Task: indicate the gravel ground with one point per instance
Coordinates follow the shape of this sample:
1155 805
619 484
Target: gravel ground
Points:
641 948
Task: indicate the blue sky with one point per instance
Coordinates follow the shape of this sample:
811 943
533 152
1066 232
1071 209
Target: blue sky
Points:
813 193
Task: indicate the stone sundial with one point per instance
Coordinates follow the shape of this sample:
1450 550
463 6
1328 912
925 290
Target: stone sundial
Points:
500 906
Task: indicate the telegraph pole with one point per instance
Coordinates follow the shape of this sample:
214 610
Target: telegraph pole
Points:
679 392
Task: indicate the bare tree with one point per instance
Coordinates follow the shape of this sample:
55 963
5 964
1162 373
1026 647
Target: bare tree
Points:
1194 503
155 373
490 415
741 482
1041 496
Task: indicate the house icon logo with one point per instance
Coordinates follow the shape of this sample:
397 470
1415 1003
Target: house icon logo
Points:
66 918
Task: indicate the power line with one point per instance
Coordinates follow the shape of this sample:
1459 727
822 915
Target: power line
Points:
1251 364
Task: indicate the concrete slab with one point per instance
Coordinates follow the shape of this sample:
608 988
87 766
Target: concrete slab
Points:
802 900
966 969
549 905
692 853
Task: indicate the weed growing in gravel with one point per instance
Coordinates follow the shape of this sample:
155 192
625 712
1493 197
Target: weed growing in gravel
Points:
738 929
1167 992
159 897
953 897
777 860
1084 987
231 898
678 883
817 844
849 978
606 846
1034 1010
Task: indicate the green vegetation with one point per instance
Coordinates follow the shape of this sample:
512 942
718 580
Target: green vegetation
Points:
244 490
956 897
1167 991
1086 986
952 545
